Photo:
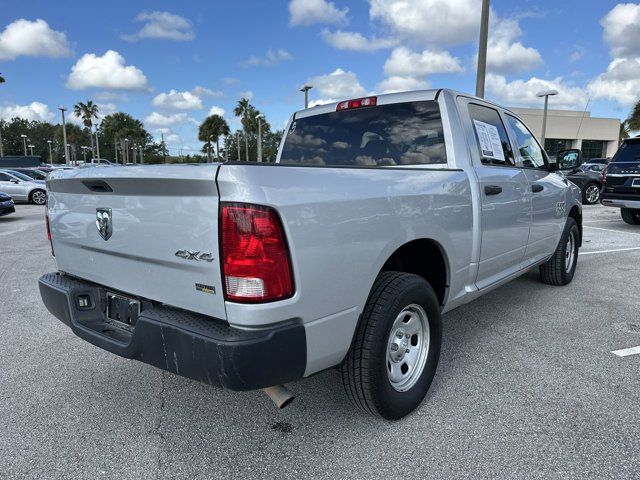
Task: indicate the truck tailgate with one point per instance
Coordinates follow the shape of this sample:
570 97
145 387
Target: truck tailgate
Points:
160 231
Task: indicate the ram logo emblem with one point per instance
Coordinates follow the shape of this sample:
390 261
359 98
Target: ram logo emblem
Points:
104 223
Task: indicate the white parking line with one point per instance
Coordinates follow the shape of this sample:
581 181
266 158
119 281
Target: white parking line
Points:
625 352
610 251
610 230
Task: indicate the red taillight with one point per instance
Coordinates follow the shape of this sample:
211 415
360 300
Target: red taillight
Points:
46 217
255 257
357 103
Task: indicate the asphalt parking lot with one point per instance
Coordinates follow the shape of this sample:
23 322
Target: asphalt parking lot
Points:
527 387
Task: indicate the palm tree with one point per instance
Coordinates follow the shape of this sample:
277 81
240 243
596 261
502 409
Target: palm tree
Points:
633 122
243 110
87 111
213 127
624 131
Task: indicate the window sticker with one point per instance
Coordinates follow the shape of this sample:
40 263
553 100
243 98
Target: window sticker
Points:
489 138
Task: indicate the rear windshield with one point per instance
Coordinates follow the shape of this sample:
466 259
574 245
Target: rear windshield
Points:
629 151
397 134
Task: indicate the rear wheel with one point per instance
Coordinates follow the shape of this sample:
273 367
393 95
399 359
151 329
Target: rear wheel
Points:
561 267
39 197
630 215
591 193
395 352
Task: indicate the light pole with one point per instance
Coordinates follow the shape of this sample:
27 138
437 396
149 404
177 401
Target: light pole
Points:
482 49
84 154
305 89
115 149
1 146
134 147
64 136
546 94
260 117
97 146
24 143
31 149
50 152
238 142
126 150
209 149
141 154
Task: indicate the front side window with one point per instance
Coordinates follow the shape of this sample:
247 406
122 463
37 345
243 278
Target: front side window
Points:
491 136
529 150
408 133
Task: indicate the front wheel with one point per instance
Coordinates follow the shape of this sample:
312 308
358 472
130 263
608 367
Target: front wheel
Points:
396 349
561 267
630 215
591 194
39 197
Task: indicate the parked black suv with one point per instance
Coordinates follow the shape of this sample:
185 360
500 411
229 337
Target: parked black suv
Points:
621 180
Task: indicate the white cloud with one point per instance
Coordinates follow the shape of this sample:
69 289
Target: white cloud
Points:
356 41
404 62
107 109
216 111
34 39
401 84
34 111
247 94
622 30
108 71
522 93
206 92
506 55
175 100
107 96
338 84
577 53
158 120
308 12
162 25
272 57
435 22
621 82
173 138
230 80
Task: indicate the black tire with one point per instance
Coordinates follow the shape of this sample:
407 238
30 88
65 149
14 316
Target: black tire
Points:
364 372
556 271
588 193
630 215
38 197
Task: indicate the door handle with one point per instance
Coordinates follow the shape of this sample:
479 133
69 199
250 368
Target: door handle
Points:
536 187
492 190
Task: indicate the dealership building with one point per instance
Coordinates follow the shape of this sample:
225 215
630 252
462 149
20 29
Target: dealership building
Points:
596 137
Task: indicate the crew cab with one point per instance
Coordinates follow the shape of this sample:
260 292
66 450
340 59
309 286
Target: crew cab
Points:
380 215
621 179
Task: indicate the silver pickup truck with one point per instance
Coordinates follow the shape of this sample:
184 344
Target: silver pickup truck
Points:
381 214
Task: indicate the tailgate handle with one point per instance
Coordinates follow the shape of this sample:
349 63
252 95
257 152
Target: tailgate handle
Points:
97 186
536 187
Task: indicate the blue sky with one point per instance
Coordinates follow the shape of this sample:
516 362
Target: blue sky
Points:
171 63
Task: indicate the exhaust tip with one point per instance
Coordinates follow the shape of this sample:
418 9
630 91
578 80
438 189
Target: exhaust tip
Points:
280 395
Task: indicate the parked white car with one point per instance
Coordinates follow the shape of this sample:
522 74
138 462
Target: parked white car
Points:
23 188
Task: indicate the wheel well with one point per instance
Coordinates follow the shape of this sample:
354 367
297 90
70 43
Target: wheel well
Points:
422 257
577 216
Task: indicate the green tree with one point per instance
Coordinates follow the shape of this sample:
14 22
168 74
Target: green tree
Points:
244 110
213 127
87 112
2 79
633 122
117 127
624 131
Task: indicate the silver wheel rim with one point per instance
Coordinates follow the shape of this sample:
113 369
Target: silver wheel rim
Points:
39 198
569 253
592 194
408 347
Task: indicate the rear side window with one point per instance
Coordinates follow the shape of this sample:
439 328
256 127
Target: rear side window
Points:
4 177
398 134
629 151
491 136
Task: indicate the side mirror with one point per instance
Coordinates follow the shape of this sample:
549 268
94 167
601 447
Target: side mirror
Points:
569 159
13 180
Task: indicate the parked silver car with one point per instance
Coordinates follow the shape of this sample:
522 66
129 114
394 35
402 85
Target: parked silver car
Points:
22 188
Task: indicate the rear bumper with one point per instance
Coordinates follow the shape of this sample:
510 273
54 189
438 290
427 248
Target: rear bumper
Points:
6 209
184 343
612 200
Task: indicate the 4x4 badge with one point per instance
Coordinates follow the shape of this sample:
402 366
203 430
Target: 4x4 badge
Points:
197 256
